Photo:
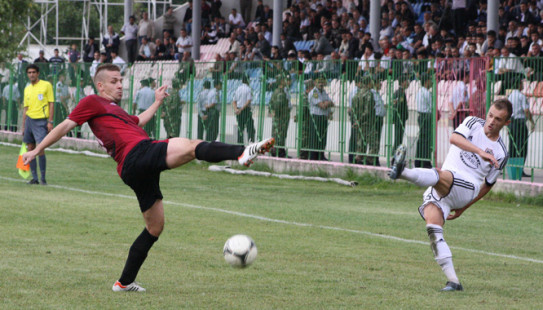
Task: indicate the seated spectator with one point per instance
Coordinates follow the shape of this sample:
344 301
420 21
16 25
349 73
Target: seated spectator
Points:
160 50
147 50
263 45
209 36
183 43
236 20
322 45
117 60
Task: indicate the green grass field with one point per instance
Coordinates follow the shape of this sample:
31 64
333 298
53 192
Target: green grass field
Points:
321 245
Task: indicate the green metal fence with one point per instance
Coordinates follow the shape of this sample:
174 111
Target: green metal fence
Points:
356 111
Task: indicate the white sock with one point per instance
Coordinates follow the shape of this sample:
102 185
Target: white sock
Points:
420 176
442 252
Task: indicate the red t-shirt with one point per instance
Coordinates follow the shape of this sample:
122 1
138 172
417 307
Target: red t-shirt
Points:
116 131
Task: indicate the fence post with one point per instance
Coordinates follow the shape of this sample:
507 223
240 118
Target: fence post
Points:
223 108
191 103
342 119
390 116
261 105
299 109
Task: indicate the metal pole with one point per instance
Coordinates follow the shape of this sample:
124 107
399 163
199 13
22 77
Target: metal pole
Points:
375 21
127 10
492 15
196 28
277 22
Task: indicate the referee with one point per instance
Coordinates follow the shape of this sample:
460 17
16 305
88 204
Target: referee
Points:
37 117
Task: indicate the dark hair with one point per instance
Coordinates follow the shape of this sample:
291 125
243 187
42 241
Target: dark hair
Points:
504 104
33 66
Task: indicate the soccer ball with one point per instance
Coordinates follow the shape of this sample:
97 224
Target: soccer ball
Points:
240 251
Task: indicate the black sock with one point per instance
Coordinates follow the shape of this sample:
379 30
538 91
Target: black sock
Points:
136 256
215 152
42 162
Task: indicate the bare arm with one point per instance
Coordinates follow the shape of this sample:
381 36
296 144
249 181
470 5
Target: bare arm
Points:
55 135
146 115
51 114
530 119
466 145
456 213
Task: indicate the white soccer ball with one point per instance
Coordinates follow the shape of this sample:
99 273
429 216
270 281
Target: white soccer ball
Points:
240 251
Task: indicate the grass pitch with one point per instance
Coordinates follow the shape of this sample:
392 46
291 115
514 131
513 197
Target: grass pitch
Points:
321 245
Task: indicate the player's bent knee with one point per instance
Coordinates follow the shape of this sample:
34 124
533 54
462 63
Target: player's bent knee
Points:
156 229
433 214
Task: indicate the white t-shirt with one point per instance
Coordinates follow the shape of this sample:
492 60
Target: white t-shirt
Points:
183 42
242 95
469 165
203 101
236 19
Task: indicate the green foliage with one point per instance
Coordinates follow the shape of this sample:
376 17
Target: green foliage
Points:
12 29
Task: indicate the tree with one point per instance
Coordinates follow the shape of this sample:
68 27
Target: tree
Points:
12 28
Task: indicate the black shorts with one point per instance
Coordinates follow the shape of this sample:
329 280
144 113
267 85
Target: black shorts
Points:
141 171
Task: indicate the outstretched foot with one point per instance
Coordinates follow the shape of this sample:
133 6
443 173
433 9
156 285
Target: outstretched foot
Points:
451 286
398 162
253 150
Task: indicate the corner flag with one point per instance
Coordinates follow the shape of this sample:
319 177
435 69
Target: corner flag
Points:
24 170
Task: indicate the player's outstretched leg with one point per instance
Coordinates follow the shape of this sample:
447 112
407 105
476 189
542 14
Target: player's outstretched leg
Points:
253 150
398 162
451 286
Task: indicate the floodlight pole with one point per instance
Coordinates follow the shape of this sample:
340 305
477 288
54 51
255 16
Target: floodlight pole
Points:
277 22
375 22
196 28
127 10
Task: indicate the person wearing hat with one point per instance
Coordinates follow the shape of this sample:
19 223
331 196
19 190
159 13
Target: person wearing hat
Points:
241 103
213 108
361 112
172 110
320 108
280 111
143 100
303 118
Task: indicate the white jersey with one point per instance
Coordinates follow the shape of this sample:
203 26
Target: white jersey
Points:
469 165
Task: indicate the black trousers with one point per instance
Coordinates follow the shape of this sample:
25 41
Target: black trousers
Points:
245 120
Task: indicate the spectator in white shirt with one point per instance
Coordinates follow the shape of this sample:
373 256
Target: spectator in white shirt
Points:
146 28
183 43
235 19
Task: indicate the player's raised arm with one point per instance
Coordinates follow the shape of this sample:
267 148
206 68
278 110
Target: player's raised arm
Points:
146 116
466 145
55 135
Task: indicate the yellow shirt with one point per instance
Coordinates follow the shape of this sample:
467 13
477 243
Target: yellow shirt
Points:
37 99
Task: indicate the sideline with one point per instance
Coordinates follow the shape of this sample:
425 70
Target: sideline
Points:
267 219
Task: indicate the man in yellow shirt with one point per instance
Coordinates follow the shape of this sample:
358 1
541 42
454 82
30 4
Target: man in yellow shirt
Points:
37 117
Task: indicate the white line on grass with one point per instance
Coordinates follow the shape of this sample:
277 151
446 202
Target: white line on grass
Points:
266 219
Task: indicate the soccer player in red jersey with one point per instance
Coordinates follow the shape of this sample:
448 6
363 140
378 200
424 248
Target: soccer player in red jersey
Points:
140 160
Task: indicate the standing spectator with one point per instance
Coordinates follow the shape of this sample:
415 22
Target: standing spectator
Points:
241 102
459 101
235 20
130 32
11 97
305 119
214 103
187 19
400 113
62 96
216 8
90 48
246 7
379 113
320 106
169 21
20 66
183 43
95 63
42 62
280 111
518 139
172 110
424 120
73 68
111 41
38 115
57 62
360 106
202 110
146 28
143 100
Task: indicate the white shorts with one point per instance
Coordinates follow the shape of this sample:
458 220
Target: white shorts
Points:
460 194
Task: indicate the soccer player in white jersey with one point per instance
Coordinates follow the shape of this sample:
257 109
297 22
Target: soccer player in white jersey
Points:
473 164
